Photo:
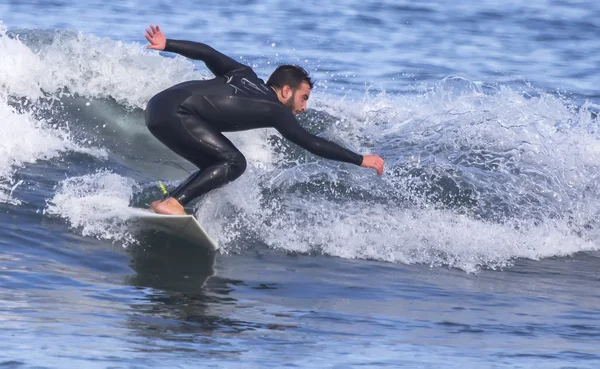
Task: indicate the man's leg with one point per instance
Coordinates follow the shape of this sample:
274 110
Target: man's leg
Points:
207 148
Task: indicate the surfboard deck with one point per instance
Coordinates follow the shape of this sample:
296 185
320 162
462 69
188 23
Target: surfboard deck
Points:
185 226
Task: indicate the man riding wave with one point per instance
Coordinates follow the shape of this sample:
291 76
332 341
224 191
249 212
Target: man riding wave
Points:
190 117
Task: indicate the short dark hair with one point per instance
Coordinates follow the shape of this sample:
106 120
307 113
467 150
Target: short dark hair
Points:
291 75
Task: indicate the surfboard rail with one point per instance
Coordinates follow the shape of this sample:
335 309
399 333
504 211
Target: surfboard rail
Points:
184 226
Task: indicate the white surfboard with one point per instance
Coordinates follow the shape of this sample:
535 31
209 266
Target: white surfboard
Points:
185 226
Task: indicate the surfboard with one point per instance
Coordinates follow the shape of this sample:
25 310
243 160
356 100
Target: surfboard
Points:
184 226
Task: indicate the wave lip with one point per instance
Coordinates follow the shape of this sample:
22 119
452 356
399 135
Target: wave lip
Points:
26 139
37 63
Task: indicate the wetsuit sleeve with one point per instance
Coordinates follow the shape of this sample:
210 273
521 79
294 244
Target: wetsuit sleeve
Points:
218 63
289 128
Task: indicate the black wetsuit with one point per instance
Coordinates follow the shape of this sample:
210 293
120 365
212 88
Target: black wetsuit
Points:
189 118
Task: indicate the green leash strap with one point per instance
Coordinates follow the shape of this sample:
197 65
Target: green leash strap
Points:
163 188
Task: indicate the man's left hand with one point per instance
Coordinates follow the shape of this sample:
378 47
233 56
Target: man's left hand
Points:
156 38
373 161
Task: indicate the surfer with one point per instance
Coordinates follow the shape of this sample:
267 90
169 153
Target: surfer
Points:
189 118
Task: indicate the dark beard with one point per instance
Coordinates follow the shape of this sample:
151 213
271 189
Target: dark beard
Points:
290 103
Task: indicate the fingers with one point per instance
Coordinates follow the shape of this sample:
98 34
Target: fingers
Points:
153 37
375 162
379 167
152 31
378 164
153 44
149 36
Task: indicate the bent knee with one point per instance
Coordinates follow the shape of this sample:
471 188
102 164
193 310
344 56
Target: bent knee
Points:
237 166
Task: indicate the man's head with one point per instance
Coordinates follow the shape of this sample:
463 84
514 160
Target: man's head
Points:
292 85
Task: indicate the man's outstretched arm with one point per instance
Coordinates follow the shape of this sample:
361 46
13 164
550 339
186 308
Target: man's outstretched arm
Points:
293 131
218 63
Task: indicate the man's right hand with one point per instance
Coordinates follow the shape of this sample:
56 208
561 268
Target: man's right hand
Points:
157 39
373 161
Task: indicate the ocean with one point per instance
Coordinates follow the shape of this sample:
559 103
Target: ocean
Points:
479 247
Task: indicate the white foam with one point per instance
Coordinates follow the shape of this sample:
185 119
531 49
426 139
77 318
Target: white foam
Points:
433 237
255 146
95 205
26 140
89 66
535 156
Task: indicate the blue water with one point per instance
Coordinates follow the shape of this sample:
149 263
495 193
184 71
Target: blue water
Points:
478 248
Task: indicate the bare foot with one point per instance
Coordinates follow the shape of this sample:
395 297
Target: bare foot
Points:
169 207
153 205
